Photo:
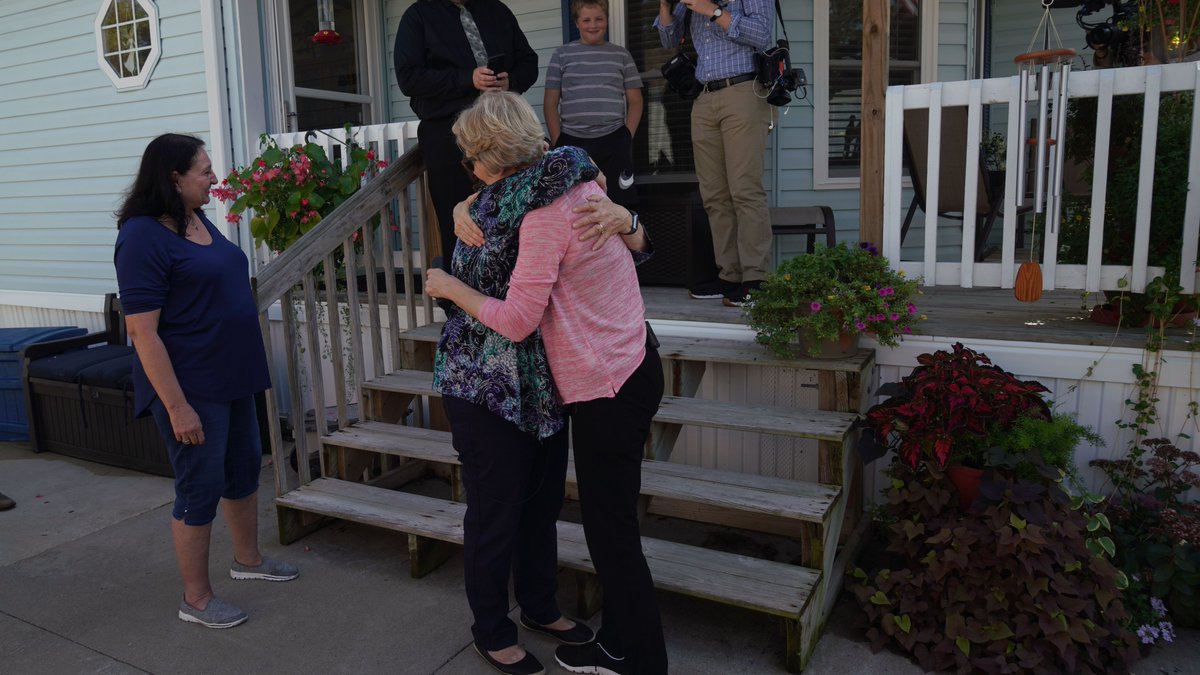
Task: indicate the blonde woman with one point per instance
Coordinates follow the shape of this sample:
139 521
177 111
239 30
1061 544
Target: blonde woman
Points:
578 303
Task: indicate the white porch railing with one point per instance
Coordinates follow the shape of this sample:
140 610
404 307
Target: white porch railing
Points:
1103 85
389 141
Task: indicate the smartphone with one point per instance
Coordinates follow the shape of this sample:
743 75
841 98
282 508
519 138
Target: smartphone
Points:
495 62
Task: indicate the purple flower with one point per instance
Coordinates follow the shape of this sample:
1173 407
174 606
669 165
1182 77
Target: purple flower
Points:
1159 607
908 329
880 317
886 291
912 309
860 325
894 316
815 306
1168 631
1148 634
868 247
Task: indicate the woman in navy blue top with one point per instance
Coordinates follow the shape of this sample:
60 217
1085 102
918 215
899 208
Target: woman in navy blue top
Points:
199 361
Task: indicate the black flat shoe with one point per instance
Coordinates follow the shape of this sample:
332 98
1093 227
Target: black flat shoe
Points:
526 666
579 634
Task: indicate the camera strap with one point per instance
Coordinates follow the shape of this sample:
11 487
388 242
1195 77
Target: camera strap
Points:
778 15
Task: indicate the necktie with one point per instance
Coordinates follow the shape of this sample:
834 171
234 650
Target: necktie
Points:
473 37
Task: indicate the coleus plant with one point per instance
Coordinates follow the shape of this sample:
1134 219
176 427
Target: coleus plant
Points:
945 410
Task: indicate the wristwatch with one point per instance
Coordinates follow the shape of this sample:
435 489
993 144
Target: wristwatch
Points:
635 226
716 14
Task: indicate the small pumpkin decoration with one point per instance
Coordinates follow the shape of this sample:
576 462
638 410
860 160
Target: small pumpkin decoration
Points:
1029 282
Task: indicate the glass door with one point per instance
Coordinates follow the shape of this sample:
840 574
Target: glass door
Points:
325 85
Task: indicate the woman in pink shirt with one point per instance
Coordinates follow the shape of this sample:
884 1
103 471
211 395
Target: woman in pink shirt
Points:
584 298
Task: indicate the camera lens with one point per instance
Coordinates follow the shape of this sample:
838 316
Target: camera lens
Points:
1103 35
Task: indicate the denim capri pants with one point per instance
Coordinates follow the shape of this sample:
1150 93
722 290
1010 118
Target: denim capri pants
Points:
226 465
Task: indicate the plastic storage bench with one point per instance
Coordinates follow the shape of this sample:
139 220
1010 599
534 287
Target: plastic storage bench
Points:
79 395
13 423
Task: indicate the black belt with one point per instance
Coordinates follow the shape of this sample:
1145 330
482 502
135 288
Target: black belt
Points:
716 85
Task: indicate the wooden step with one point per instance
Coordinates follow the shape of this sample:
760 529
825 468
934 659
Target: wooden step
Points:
776 420
760 585
725 490
710 350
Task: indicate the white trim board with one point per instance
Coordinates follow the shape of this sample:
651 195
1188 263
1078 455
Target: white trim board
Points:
74 302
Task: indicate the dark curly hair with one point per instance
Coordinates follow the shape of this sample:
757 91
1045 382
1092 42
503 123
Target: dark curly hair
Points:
153 192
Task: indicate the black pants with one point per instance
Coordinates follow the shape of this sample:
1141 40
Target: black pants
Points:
609 435
449 182
514 486
613 154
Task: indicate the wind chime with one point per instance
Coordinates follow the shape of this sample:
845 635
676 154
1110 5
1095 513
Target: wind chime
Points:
327 32
1043 78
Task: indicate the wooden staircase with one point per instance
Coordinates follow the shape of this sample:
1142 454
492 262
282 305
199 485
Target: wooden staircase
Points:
812 513
329 324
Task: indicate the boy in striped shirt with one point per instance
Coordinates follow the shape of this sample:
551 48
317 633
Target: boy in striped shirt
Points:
593 99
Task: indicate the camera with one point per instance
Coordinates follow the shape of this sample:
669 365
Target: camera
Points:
776 74
1109 37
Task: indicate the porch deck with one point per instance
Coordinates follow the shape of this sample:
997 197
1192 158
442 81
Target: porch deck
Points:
1060 317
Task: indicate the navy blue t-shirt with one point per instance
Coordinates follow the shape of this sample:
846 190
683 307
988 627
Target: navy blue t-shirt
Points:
208 319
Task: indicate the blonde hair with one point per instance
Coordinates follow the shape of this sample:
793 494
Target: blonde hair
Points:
578 5
501 131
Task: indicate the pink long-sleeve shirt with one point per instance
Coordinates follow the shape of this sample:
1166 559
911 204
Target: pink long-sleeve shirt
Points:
587 302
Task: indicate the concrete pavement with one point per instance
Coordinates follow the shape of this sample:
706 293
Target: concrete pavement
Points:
88 585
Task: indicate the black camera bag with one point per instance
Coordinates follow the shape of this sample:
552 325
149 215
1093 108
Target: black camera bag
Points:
680 70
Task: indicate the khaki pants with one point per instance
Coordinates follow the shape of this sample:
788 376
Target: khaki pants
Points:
729 136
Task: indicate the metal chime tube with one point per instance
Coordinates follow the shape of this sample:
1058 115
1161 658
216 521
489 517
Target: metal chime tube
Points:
1060 134
1039 187
1022 95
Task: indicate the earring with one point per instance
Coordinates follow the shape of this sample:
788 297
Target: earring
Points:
178 190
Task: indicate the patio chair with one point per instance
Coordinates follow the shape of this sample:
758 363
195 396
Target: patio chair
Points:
809 221
952 172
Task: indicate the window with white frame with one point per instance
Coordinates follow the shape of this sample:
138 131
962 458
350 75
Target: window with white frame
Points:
127 41
838 64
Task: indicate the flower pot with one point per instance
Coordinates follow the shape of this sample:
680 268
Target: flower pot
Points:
967 481
845 346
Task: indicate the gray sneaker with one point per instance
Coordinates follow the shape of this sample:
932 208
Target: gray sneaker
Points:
218 614
270 570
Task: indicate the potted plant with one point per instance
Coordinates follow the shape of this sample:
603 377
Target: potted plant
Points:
948 411
833 295
291 189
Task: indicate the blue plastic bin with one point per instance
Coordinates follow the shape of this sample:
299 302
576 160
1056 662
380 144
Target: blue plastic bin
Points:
13 424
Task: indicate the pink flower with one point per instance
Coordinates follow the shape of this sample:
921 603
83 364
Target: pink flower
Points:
860 326
816 306
233 218
894 316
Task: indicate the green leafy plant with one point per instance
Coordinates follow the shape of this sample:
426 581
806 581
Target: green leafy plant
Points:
833 290
291 189
1008 587
1035 440
950 408
995 151
1156 526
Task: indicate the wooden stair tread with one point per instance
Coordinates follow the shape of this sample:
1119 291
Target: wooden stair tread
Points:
776 588
710 350
808 502
776 420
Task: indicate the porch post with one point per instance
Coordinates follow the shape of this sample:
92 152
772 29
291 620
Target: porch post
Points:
876 29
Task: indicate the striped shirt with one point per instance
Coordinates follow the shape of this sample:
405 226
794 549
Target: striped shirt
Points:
721 54
587 302
593 80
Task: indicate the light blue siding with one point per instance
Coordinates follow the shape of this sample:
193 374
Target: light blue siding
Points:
70 143
794 137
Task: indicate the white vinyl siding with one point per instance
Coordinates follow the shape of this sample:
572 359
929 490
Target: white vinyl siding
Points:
70 143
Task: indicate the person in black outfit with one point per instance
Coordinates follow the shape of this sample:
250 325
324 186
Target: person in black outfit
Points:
442 69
